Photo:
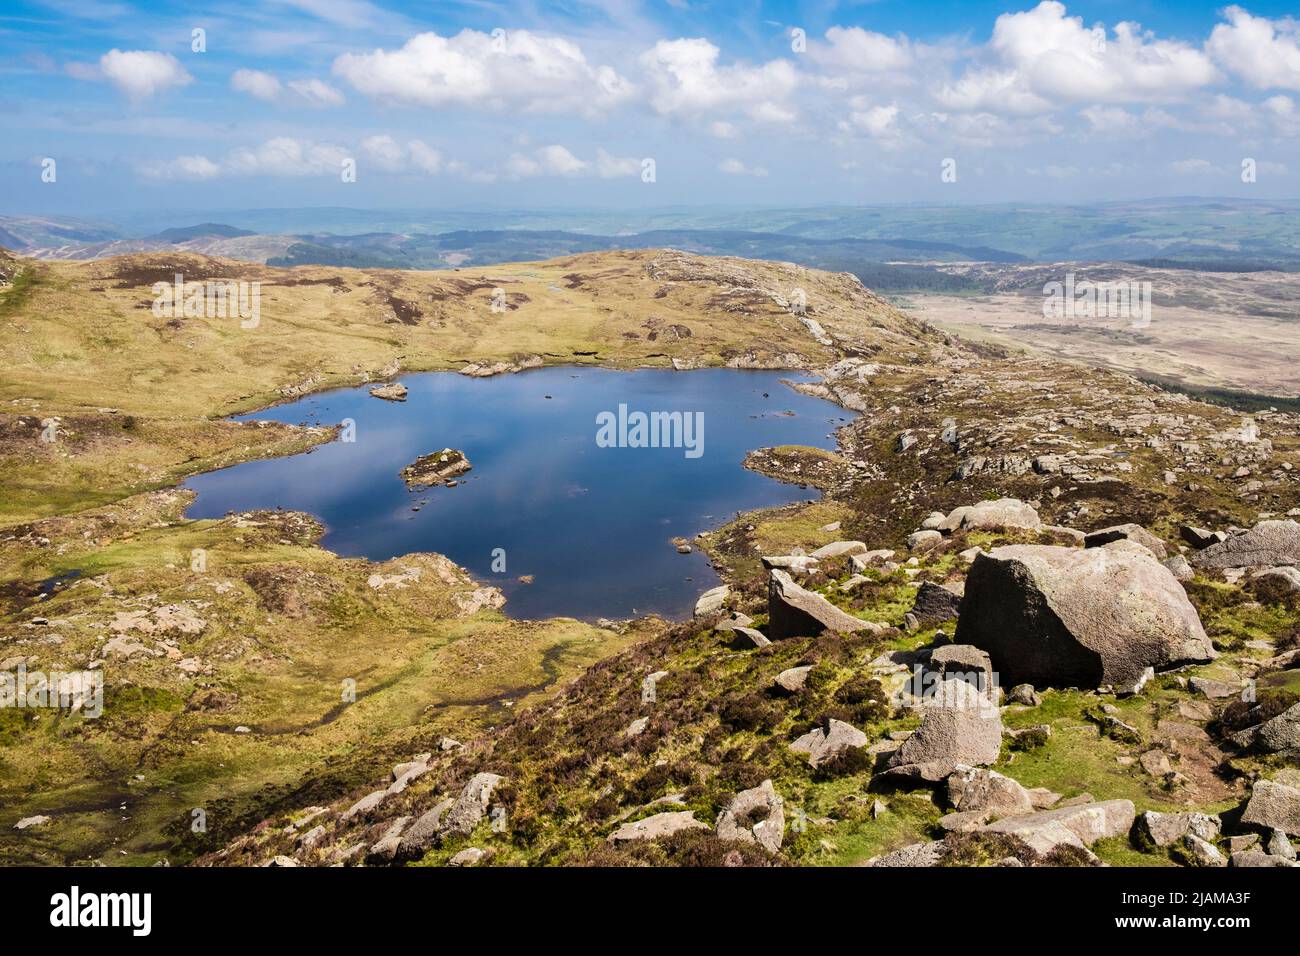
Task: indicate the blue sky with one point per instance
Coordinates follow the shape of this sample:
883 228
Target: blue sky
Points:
541 104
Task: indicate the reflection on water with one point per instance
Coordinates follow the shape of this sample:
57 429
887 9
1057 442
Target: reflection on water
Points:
592 525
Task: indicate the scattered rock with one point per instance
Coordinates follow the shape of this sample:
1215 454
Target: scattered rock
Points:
755 816
1126 532
1213 689
472 805
838 549
824 743
996 515
711 601
958 726
1279 845
1273 806
1079 826
1165 829
469 856
1024 694
794 611
792 679
1268 544
1180 568
37 821
973 788
656 827
935 603
1201 852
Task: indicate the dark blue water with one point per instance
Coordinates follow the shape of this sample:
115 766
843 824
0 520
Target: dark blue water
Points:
591 524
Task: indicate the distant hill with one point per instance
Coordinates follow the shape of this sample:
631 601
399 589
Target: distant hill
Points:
206 229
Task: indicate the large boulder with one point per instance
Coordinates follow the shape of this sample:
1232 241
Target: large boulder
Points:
1273 806
1069 617
794 611
992 516
1268 544
959 725
1079 826
754 816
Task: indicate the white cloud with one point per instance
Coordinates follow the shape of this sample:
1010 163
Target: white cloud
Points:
611 167
854 50
520 70
183 167
734 167
1192 166
878 122
1045 58
547 161
1263 52
267 87
140 74
262 86
687 80
286 156
316 92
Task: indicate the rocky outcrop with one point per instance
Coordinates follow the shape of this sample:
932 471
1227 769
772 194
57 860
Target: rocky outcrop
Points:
1053 616
1079 826
1268 544
794 611
992 516
438 468
390 392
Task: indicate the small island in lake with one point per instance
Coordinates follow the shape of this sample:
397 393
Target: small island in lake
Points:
438 468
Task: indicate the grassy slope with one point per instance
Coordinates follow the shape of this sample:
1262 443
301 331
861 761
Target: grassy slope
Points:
138 400
574 776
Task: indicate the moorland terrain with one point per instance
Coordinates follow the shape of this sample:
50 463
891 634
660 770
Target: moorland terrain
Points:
476 738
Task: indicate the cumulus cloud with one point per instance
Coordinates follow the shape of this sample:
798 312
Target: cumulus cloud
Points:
879 122
513 70
140 74
193 168
267 87
547 161
1265 53
609 166
1044 58
853 50
686 80
734 167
